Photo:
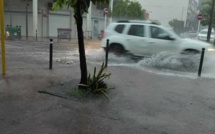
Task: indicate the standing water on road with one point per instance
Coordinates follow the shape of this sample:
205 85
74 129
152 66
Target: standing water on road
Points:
162 63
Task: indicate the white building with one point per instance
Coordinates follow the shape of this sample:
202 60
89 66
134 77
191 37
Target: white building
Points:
49 20
167 10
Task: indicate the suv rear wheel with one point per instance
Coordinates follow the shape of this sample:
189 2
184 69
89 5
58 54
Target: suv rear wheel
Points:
116 49
190 52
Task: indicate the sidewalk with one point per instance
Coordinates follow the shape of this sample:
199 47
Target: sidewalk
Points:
72 41
46 41
141 102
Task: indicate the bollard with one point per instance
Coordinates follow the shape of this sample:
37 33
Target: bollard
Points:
51 54
106 56
201 62
36 35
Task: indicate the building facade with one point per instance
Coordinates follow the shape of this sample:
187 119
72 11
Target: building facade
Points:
49 20
192 12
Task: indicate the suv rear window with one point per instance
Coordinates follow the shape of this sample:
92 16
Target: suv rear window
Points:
119 28
136 30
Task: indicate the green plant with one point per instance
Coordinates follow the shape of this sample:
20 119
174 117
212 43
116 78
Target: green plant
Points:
77 93
96 83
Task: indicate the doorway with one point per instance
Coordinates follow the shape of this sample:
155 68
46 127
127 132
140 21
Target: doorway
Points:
95 29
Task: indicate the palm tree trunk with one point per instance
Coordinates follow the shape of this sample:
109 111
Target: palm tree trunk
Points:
82 56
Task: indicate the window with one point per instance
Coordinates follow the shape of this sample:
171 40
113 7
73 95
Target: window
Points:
119 28
136 30
159 33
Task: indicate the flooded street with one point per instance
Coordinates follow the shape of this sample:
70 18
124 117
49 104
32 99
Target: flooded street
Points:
67 54
159 93
163 63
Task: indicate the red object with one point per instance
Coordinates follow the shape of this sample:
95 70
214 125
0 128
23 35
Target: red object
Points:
104 34
106 11
146 15
199 16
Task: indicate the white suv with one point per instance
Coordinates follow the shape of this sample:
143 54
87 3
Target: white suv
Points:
145 38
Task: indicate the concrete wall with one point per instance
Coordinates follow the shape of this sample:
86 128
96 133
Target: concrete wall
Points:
48 20
18 18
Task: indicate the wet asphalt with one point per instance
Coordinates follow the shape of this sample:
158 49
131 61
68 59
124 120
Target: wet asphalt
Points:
142 101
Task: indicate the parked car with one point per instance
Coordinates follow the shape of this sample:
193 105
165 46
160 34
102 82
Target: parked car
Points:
191 34
203 35
146 38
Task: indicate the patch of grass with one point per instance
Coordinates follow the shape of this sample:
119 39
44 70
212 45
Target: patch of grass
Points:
80 93
77 93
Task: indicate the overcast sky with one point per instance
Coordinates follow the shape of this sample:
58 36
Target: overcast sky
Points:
165 10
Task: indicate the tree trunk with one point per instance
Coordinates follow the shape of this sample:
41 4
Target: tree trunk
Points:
82 56
210 22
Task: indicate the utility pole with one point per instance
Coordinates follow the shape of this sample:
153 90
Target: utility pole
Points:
26 12
111 10
210 22
105 22
182 13
89 20
182 23
35 17
199 23
106 13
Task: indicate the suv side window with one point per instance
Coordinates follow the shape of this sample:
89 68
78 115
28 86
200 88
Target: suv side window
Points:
159 33
136 30
119 28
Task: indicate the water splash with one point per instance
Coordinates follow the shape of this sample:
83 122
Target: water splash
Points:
169 61
162 63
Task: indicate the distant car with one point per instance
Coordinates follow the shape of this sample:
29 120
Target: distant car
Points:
203 35
145 38
191 34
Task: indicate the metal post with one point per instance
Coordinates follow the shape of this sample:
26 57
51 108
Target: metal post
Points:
105 22
26 13
89 17
10 15
199 22
35 16
51 54
106 56
111 10
58 31
2 37
42 24
182 14
36 35
201 62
